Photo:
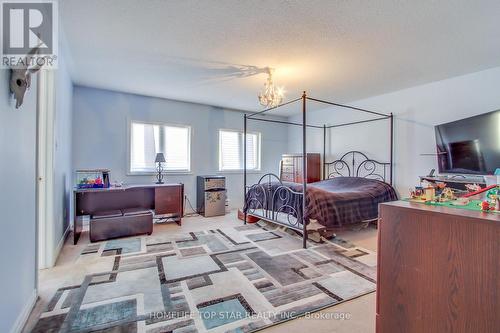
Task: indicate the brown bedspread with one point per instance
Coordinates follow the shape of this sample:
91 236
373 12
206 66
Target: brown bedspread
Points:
333 202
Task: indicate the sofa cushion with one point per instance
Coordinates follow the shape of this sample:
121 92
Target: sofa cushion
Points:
136 211
107 214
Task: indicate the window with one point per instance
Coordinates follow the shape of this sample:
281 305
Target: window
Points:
231 150
148 139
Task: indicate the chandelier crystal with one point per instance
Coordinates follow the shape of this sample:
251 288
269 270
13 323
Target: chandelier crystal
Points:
272 95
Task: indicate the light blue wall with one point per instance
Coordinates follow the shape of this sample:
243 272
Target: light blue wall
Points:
62 153
17 203
100 136
18 131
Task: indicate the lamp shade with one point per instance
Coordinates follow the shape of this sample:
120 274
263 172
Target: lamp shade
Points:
159 158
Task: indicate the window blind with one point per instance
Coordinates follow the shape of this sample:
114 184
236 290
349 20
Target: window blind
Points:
231 150
149 139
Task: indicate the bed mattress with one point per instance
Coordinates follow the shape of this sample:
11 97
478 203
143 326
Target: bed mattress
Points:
334 203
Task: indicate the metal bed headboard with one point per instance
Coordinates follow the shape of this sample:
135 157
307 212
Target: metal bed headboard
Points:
356 164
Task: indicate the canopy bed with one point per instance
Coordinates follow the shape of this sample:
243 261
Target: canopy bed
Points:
352 186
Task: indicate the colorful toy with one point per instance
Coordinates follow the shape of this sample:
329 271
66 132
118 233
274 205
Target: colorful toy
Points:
419 190
444 195
472 187
485 205
430 193
461 202
447 193
95 178
479 190
416 193
441 185
492 193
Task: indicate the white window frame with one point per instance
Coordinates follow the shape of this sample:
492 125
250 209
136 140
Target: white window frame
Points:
259 151
147 173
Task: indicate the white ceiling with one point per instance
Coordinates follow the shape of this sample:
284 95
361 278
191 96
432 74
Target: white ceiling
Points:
214 51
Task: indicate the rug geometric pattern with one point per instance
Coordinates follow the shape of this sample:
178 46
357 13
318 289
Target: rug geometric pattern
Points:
234 279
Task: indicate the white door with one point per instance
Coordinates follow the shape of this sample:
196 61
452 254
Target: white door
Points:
45 168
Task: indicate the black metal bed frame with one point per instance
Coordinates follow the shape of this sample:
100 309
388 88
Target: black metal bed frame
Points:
349 165
284 193
341 167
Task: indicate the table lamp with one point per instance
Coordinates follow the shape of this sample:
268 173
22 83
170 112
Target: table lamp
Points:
159 159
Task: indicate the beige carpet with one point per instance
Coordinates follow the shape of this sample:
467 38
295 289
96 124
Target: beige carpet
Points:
352 316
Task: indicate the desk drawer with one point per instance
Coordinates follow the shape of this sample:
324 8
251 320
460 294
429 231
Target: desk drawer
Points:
169 200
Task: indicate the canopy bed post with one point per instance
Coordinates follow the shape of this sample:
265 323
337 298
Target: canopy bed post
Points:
304 171
284 204
244 164
391 147
324 151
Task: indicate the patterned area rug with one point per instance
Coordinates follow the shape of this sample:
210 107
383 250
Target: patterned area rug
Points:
235 279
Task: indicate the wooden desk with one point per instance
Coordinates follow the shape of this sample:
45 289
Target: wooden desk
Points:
164 199
438 269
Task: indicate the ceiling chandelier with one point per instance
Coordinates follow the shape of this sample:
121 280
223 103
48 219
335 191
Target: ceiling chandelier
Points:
271 96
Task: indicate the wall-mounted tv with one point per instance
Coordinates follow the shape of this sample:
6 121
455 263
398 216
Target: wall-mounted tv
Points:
469 146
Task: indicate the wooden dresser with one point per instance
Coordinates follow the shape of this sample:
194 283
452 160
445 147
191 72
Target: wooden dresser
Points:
291 168
438 269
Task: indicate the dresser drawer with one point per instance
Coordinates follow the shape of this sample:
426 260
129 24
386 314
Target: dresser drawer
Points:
287 160
287 177
293 165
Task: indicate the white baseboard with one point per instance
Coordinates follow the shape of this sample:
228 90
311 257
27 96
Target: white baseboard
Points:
60 246
25 313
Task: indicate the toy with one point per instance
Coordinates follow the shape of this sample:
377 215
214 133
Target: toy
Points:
461 202
441 185
480 190
485 205
430 193
472 187
416 193
419 191
492 193
93 178
447 193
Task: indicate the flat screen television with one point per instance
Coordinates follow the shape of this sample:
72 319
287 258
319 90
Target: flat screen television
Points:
470 145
